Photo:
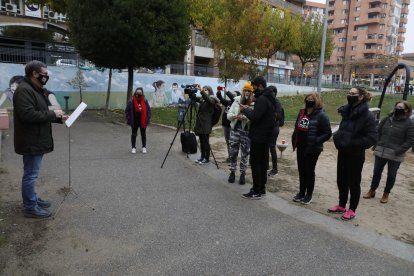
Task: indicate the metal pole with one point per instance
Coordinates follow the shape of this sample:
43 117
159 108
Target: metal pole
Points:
66 103
322 57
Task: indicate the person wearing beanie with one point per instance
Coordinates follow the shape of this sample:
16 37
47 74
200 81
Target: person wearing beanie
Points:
239 134
262 120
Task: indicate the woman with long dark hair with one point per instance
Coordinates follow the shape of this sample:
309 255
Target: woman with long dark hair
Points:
395 137
357 132
138 115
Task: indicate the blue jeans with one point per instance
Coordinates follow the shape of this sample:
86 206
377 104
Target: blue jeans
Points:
31 170
391 174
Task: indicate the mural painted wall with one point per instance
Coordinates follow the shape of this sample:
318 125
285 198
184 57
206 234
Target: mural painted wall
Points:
159 89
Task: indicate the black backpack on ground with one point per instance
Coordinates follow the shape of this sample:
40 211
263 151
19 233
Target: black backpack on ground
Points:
188 142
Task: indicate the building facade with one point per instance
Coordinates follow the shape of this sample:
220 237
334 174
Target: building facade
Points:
369 37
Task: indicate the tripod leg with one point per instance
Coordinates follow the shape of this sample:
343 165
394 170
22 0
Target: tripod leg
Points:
175 136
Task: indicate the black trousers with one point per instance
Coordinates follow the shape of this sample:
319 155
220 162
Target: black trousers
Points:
204 146
272 148
259 162
134 135
349 170
306 168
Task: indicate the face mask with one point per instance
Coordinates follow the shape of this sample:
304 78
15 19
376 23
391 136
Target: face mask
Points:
256 92
246 97
43 79
399 112
352 99
309 104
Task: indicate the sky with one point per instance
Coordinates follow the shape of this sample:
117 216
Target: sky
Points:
409 35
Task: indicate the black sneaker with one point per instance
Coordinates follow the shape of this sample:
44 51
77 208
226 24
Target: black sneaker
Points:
37 212
232 177
272 172
306 200
43 203
203 162
242 179
252 195
298 197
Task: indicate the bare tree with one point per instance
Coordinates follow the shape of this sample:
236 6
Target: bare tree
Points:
78 82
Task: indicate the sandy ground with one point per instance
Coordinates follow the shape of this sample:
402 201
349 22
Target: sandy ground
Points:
394 219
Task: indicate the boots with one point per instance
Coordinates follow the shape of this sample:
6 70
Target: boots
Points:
370 194
384 198
232 177
242 180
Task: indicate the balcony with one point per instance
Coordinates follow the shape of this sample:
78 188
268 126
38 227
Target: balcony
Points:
402 30
404 11
375 20
375 10
406 1
403 20
401 39
400 49
370 51
281 3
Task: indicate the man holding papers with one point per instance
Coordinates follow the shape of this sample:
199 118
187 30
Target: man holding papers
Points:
33 133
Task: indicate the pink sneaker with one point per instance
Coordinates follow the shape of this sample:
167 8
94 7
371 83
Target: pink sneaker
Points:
349 214
337 209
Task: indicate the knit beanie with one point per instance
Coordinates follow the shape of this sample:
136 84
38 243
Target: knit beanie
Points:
247 86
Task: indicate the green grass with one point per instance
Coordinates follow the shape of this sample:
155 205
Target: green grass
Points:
291 104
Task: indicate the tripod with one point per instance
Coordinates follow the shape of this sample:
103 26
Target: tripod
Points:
69 190
192 107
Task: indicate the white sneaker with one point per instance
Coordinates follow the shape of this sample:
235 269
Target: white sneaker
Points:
144 150
134 150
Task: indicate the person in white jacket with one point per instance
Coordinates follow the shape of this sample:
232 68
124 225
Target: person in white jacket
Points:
239 134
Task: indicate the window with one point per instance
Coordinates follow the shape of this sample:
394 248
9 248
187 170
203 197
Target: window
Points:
341 49
380 36
353 48
345 2
344 21
340 59
357 9
382 26
354 38
356 19
352 57
344 11
371 36
342 39
280 56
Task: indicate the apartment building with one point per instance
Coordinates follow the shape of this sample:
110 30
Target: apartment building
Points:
200 56
365 31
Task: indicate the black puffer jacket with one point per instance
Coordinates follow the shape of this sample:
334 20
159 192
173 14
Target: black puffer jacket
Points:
32 120
262 117
319 131
357 130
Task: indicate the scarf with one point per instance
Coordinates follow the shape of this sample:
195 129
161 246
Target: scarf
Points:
142 110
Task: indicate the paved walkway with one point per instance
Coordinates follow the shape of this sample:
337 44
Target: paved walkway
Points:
183 219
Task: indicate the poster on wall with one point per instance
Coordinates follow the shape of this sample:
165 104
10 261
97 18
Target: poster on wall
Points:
32 10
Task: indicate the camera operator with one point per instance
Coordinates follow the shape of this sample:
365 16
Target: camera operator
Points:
204 123
225 123
262 119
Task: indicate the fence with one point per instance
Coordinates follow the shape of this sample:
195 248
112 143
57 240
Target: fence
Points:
63 55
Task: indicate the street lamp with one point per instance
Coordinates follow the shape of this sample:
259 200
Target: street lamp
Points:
322 57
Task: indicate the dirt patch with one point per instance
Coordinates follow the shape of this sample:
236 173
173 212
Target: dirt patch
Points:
393 219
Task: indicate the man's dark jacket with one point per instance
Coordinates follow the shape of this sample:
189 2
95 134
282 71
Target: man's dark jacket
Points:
32 120
263 117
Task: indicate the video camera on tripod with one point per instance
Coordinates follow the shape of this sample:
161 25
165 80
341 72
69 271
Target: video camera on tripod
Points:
190 90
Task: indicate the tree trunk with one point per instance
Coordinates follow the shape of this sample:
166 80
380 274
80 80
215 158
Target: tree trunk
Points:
130 83
267 68
108 93
301 72
80 94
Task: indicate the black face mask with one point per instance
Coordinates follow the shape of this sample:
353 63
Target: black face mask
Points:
352 99
309 104
43 79
399 112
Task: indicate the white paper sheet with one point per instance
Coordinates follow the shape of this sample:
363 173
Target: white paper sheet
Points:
72 118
